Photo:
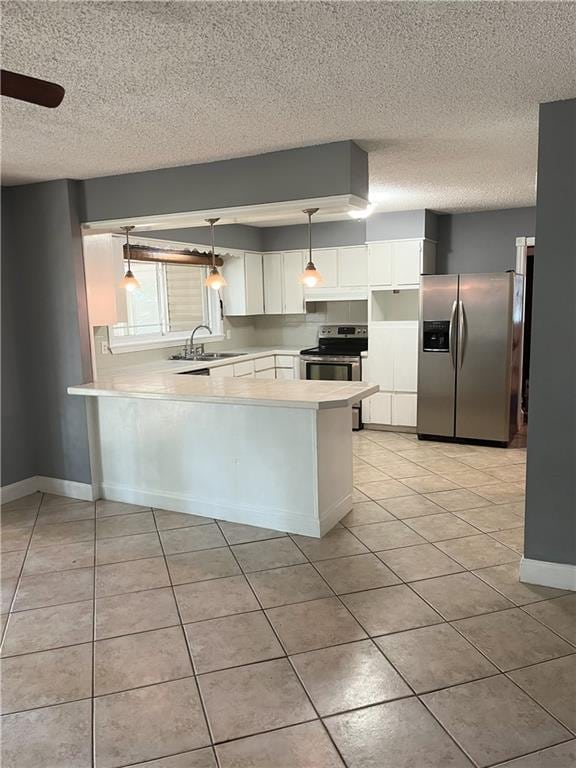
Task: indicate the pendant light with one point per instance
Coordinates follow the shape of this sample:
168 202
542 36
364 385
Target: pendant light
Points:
214 279
129 281
310 278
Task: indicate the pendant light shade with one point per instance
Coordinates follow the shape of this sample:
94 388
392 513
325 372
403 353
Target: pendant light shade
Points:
310 278
129 282
214 279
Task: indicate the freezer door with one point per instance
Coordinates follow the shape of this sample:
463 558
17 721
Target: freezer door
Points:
437 353
483 376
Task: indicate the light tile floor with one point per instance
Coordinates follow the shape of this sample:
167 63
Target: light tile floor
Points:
402 639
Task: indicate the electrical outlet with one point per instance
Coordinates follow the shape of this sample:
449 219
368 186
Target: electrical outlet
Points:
104 348
228 334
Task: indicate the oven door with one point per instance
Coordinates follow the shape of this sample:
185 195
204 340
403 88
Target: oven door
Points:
324 368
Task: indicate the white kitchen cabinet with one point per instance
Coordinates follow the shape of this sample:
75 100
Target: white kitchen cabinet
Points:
293 294
405 357
273 283
104 269
398 264
403 409
269 373
222 371
285 373
392 363
380 264
353 267
379 366
245 368
264 363
284 361
244 292
326 262
377 409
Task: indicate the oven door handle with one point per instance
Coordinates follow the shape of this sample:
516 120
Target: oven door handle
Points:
347 359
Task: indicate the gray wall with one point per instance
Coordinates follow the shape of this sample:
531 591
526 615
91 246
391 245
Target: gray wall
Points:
483 241
396 225
325 234
45 340
551 478
18 450
225 236
325 169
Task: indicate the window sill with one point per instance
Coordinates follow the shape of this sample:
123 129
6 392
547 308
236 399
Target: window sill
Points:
141 345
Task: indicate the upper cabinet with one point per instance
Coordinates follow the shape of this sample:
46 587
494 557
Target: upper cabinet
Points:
283 292
353 266
244 292
344 274
104 270
399 263
293 293
273 281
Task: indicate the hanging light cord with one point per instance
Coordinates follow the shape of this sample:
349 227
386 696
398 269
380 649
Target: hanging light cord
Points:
128 248
310 212
128 229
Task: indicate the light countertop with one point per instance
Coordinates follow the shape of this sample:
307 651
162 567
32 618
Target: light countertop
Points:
240 391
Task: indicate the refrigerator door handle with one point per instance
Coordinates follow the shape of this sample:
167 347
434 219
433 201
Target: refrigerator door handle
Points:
452 334
461 334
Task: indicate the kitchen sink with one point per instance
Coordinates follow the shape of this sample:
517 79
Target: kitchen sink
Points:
207 356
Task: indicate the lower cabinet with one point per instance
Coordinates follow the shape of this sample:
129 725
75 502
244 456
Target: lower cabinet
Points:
271 367
378 409
404 409
391 409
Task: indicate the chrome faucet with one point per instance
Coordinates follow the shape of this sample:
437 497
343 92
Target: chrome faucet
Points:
200 347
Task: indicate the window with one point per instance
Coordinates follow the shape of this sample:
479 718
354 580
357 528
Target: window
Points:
171 303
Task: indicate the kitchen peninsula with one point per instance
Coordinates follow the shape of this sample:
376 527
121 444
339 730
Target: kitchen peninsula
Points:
271 453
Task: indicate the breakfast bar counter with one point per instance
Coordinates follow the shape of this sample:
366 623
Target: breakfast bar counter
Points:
271 453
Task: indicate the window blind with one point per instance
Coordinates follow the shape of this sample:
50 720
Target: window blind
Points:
185 296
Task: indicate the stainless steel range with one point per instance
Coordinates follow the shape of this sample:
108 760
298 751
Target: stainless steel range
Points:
338 357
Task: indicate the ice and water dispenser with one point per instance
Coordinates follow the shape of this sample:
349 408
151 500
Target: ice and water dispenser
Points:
436 336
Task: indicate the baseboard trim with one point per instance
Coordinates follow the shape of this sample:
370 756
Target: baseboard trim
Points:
68 488
547 574
17 490
264 517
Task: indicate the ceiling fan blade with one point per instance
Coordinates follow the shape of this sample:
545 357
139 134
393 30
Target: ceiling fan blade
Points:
31 89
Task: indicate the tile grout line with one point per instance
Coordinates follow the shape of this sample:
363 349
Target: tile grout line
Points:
393 667
187 644
287 656
20 572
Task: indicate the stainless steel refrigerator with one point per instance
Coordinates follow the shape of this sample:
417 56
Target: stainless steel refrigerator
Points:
469 356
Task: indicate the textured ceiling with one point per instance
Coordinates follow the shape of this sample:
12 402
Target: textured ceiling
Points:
443 95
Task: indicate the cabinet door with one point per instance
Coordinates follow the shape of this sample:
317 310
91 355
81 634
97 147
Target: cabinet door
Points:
269 373
254 283
380 264
405 357
234 294
245 368
404 410
380 368
272 271
326 261
284 373
292 267
353 266
379 410
222 371
407 261
264 363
